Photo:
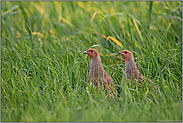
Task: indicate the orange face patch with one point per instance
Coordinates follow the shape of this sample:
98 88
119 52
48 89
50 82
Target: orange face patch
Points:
92 53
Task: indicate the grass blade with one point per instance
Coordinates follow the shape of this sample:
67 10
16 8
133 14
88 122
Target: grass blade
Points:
106 21
137 29
9 14
150 11
27 23
12 8
116 41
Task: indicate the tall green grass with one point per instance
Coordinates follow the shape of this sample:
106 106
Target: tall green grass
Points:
44 71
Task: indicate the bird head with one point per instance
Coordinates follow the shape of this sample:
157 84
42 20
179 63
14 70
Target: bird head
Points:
92 53
127 55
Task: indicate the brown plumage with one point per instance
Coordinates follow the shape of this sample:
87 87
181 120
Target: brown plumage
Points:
97 74
131 71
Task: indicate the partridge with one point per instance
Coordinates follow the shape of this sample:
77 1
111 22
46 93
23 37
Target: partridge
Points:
97 74
131 71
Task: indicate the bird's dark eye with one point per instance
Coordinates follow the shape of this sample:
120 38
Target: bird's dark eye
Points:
91 51
125 52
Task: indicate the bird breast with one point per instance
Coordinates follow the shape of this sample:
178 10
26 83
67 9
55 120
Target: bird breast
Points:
131 69
96 68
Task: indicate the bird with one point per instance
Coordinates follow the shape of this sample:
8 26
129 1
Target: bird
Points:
131 71
97 74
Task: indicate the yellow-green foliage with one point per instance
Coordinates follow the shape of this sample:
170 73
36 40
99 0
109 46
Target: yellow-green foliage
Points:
44 71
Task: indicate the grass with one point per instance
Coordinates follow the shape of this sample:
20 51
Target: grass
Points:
44 71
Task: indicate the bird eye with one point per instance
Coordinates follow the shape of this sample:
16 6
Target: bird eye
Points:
91 51
125 52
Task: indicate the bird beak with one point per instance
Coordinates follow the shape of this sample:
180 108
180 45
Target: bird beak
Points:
85 52
119 53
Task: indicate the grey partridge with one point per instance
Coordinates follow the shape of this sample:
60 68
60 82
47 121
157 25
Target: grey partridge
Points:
97 74
131 71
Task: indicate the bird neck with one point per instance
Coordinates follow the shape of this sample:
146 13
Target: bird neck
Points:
126 61
96 65
130 65
96 62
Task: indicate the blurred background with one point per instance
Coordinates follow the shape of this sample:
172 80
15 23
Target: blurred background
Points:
44 71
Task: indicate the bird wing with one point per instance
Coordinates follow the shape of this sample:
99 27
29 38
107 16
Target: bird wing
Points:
142 78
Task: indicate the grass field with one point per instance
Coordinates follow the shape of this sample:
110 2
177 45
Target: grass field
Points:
44 71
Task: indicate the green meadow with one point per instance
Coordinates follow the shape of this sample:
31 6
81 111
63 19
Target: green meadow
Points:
44 71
